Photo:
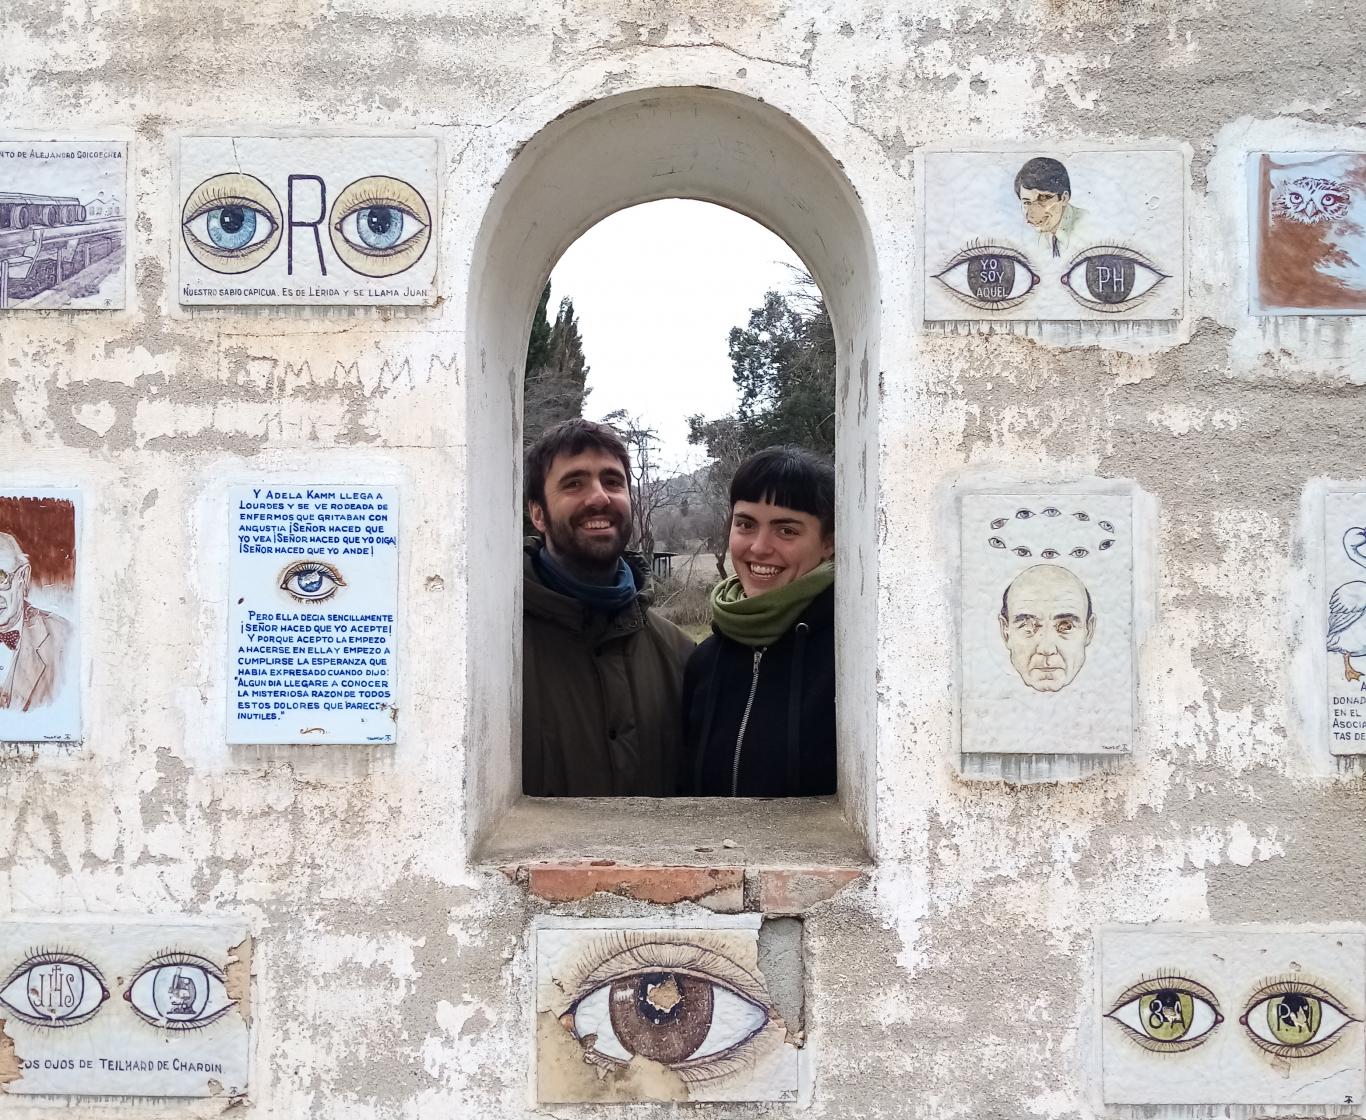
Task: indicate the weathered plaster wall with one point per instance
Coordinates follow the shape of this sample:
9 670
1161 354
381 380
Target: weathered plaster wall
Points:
393 978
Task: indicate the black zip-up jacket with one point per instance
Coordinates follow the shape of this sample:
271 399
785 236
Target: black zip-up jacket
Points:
788 744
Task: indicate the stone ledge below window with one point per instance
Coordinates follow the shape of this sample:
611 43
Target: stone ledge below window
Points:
778 857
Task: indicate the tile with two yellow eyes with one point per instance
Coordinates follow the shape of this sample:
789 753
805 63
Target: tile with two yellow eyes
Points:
1240 1016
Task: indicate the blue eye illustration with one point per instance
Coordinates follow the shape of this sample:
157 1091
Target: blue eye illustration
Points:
231 223
1111 278
53 989
311 581
179 992
989 277
380 226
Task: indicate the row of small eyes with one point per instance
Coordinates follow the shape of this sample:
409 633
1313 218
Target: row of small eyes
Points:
1107 278
1285 1018
379 225
175 991
1051 553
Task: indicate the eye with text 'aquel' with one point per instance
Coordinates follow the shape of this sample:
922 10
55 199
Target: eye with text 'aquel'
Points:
1167 1014
1111 278
1293 1018
682 1005
231 222
989 277
380 226
179 992
311 581
53 989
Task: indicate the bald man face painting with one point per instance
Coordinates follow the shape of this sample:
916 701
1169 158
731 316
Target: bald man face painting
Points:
1047 623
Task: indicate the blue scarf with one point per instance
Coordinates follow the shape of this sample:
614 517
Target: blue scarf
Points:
608 599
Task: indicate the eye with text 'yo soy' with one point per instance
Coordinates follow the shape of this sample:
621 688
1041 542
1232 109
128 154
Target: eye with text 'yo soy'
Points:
989 277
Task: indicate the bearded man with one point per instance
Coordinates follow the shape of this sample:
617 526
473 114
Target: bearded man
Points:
602 674
35 645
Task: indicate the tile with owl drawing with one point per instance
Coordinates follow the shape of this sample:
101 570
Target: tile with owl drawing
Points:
630 1011
125 1006
1046 629
1307 217
1236 1018
1063 233
1344 544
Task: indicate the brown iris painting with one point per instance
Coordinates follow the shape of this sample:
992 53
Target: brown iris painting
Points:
1308 233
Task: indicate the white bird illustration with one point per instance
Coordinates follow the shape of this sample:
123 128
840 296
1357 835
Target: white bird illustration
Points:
1347 609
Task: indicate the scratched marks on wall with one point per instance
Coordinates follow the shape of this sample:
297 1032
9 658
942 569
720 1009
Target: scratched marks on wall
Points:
1047 623
630 1013
307 220
63 224
1235 1017
113 1007
1308 233
1054 234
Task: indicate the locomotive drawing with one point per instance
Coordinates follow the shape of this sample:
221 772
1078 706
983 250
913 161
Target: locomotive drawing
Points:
57 250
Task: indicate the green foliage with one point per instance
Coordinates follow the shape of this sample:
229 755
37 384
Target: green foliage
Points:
556 374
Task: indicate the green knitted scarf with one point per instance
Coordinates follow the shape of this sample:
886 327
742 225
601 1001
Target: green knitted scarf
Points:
761 621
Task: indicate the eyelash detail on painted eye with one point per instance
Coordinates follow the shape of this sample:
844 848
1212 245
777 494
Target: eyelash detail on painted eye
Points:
1293 985
1169 981
1005 285
1138 288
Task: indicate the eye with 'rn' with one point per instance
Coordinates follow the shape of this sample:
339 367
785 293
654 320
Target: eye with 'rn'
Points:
989 277
53 989
231 223
1294 1018
682 1005
1111 278
179 992
1167 1014
311 581
380 226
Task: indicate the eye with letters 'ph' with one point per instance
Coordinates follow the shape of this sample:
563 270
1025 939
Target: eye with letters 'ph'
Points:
53 989
1111 278
1167 1014
989 277
179 992
683 1005
311 581
231 223
1294 1018
380 226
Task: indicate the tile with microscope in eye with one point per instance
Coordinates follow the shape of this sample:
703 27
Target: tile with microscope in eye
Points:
1243 1018
1344 542
1060 234
123 1007
627 1011
1047 625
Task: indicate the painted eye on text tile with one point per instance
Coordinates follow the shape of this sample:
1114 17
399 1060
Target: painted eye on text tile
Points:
380 226
231 223
179 992
1167 1014
311 581
989 277
1294 1019
690 1008
53 989
1111 278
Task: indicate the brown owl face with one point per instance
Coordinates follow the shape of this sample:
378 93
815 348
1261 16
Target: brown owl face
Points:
1309 200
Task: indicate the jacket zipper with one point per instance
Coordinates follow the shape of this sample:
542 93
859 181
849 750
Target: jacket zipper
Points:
744 721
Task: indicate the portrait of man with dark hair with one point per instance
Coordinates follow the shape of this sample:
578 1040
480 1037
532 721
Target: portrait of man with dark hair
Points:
1045 192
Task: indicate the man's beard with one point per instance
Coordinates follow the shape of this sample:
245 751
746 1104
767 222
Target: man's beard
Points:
590 555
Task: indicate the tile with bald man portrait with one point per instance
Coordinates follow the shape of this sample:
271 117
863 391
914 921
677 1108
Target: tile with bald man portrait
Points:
39 654
1047 624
